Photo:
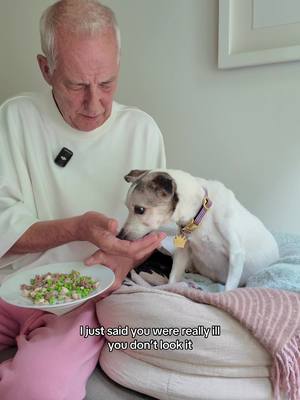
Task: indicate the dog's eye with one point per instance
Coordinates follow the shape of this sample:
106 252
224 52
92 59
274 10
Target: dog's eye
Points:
139 210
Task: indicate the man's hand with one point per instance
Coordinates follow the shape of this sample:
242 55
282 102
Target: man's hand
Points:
122 265
101 231
92 227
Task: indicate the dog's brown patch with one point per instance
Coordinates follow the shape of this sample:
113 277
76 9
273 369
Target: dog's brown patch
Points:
158 187
162 184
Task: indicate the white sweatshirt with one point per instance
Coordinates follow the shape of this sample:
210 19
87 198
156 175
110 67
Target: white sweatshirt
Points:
33 188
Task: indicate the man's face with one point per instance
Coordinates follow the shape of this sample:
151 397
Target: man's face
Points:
85 79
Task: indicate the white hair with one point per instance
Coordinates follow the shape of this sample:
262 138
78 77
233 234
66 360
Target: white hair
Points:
80 17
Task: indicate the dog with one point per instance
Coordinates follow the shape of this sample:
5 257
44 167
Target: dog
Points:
219 237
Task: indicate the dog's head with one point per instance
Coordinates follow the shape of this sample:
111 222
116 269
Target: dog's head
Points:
151 201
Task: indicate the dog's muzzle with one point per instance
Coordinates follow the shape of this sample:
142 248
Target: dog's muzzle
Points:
122 234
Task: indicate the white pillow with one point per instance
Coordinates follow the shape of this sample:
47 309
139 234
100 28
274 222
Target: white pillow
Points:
229 365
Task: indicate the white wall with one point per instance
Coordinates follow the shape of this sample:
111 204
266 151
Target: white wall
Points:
239 126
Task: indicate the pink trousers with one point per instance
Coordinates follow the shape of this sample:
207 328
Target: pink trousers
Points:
53 362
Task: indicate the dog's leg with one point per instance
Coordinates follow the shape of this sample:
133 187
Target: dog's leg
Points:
236 255
236 266
181 261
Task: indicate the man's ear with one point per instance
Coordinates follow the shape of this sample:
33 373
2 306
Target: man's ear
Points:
44 67
135 174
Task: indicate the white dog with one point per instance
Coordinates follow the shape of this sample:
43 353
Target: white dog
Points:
217 235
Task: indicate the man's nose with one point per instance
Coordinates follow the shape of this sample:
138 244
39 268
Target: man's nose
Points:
93 104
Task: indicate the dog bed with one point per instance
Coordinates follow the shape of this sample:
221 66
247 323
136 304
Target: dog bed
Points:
229 364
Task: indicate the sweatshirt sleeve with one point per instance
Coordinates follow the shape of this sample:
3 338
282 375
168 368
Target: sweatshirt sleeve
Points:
17 208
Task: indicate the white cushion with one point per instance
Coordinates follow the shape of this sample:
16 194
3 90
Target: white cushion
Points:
173 385
231 366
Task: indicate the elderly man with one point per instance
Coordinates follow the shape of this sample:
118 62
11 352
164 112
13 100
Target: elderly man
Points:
63 154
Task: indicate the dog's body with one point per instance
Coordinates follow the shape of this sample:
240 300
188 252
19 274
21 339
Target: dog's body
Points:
228 246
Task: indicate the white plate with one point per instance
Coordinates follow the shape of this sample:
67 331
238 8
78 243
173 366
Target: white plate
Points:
11 293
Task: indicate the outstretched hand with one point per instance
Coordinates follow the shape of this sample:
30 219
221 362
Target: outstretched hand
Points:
101 231
118 255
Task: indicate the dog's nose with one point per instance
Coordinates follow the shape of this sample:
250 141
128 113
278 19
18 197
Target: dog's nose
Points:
122 234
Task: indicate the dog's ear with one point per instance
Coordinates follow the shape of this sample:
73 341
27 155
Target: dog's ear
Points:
163 185
135 174
165 188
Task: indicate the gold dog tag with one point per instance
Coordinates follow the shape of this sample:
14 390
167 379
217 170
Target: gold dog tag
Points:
180 241
190 227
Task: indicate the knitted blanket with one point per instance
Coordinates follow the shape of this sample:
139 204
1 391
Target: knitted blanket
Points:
271 315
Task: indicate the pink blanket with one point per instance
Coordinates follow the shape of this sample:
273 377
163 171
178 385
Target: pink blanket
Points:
273 317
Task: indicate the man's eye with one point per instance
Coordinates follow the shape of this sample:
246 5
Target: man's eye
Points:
106 86
76 88
139 210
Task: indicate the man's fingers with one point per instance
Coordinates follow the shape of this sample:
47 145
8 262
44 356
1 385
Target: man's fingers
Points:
136 250
150 239
112 226
148 247
144 253
97 258
94 221
130 249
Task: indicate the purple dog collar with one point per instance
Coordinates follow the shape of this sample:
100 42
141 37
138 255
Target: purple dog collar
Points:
181 239
206 204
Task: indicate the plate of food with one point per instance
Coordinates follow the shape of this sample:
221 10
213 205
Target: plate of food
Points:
57 288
